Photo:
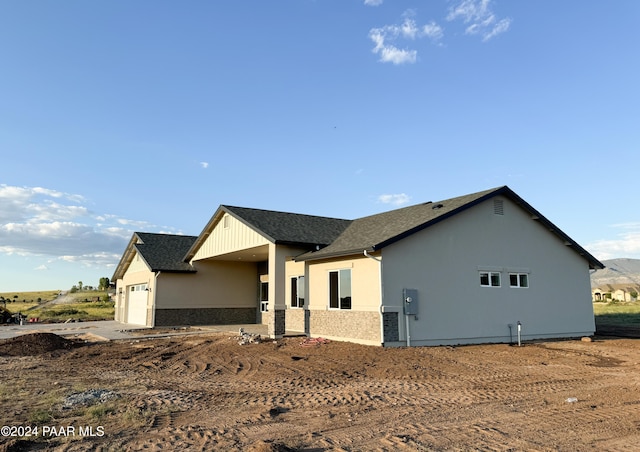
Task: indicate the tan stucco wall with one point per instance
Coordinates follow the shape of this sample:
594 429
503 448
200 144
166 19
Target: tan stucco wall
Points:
365 286
217 284
136 274
443 264
360 324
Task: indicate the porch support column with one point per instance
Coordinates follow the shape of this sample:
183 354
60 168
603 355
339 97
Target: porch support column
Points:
277 258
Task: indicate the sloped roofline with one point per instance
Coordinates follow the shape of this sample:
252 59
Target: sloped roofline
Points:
504 191
127 258
206 231
236 212
131 250
210 226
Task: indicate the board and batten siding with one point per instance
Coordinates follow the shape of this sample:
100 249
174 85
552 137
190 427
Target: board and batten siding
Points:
229 235
137 264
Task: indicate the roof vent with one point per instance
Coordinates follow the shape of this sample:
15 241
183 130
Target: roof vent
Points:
438 206
498 206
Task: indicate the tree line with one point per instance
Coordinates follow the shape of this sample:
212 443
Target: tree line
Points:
103 284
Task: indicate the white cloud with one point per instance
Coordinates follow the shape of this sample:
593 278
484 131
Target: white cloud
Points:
36 221
627 243
204 164
394 199
479 17
42 268
432 30
136 224
384 37
19 203
373 2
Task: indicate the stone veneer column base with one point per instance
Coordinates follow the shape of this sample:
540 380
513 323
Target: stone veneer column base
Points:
276 326
205 316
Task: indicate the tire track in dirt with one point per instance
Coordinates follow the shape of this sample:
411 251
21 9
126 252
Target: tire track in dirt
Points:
207 392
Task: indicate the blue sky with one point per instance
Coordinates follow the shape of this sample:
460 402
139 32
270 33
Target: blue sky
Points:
120 116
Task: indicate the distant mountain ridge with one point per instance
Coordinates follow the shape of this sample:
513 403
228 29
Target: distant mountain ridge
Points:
617 273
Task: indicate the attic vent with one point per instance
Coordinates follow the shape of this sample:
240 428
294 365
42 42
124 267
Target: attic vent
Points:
437 206
498 206
225 221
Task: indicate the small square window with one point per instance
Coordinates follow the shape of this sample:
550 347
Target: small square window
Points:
490 279
518 280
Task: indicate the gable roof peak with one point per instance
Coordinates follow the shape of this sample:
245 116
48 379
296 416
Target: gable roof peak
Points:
377 231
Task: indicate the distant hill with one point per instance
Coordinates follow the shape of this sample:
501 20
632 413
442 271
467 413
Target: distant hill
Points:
618 273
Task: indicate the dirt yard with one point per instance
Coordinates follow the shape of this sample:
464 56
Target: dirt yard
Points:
207 392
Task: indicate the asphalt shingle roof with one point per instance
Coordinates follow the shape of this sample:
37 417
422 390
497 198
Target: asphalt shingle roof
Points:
165 252
375 231
290 228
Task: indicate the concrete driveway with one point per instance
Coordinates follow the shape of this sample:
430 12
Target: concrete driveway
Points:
109 330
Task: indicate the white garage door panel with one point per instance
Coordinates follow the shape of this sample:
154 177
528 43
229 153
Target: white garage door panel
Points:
137 313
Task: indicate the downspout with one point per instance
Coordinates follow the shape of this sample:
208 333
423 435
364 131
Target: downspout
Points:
153 307
381 294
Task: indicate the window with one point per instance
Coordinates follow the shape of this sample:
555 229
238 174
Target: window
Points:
138 287
518 280
264 296
490 279
340 289
297 292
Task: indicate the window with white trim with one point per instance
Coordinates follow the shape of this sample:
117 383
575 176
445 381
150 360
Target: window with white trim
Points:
340 289
490 279
518 280
297 292
264 297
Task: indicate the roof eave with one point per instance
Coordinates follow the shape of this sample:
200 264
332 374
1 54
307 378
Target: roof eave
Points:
215 219
352 252
537 216
127 258
505 191
442 217
166 270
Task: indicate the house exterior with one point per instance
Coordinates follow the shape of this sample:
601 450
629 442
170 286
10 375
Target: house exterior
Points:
465 270
617 292
139 290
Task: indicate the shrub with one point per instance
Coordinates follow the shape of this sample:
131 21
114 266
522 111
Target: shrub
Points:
40 416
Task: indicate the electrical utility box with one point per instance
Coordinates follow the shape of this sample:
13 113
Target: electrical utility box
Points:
410 297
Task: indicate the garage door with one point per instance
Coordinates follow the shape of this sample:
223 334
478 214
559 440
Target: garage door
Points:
137 303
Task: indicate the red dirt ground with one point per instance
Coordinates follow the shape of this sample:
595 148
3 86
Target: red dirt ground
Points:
206 392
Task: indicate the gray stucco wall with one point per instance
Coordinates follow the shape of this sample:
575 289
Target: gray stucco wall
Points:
443 264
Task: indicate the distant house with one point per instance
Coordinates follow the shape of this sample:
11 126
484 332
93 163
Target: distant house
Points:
617 292
461 270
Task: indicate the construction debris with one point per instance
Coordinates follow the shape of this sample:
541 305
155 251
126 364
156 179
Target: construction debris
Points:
89 397
245 338
314 342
